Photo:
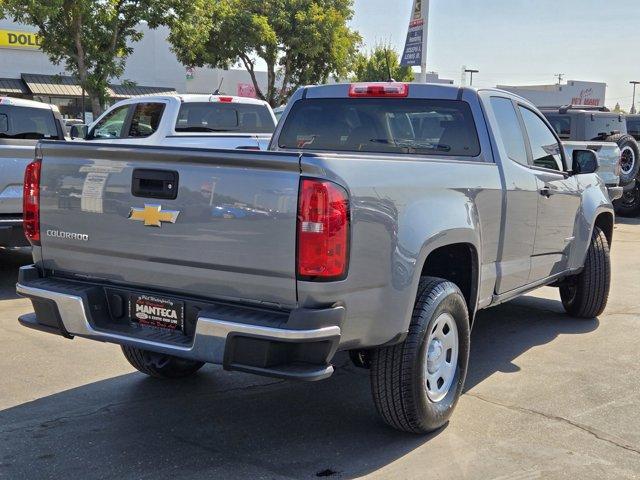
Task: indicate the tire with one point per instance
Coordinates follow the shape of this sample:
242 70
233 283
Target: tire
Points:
629 204
630 157
585 295
402 382
159 365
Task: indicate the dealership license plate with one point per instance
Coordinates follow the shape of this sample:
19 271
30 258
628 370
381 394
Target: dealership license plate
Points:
159 312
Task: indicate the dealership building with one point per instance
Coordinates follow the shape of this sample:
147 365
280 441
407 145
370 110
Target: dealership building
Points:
152 68
572 93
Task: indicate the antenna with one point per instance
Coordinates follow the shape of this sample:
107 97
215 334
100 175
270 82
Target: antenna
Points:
559 76
217 91
386 56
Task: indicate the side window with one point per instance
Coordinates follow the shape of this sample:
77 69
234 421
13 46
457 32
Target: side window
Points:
544 145
112 124
146 119
510 131
4 123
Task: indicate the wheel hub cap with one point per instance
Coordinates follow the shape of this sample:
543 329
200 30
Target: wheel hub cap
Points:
627 160
442 357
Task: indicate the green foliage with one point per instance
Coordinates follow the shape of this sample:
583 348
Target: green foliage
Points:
300 41
376 65
92 38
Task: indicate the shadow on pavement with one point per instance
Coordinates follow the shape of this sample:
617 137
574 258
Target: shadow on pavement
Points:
628 220
219 425
10 262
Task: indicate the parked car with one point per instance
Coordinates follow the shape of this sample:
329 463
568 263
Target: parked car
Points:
598 124
383 218
22 124
212 121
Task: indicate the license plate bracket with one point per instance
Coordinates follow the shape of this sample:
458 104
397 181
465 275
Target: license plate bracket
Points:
157 311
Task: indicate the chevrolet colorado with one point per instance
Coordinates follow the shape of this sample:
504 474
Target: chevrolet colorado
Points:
383 218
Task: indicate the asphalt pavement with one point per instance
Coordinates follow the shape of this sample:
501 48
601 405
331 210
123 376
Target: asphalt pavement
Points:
547 397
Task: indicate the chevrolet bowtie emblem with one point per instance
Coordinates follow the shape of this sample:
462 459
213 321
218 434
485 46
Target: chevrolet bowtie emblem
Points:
153 215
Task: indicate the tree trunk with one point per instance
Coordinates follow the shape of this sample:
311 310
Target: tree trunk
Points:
96 107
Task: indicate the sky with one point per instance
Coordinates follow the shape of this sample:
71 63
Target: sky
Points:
520 42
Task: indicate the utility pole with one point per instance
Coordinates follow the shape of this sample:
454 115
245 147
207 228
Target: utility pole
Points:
471 71
559 76
633 104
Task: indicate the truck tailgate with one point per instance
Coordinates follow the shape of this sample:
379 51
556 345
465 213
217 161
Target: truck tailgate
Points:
235 219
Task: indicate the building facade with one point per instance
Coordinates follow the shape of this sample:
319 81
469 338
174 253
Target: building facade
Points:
574 92
152 68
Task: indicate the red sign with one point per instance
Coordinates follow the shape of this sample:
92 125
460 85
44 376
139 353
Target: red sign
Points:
247 90
585 98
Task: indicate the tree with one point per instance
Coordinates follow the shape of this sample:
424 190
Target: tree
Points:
376 66
92 38
301 41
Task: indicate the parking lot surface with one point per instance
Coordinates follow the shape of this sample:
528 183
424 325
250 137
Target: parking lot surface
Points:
547 397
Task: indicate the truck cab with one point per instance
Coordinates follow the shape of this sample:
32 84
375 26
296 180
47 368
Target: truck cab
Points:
211 121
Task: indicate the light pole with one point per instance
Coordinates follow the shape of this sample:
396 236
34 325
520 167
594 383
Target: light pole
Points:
471 71
633 105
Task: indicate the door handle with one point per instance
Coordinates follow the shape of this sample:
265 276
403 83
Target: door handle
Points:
161 184
546 192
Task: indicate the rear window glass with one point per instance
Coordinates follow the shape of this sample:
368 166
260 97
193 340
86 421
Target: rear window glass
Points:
27 123
382 125
200 117
561 124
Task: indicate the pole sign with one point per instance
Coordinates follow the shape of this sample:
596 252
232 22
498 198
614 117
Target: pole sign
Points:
17 39
415 48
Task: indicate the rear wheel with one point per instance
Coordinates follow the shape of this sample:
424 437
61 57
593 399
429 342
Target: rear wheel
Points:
585 295
416 384
159 365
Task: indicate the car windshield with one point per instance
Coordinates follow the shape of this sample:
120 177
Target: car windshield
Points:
382 125
203 117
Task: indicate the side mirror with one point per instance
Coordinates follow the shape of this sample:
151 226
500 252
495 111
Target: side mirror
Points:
585 161
79 131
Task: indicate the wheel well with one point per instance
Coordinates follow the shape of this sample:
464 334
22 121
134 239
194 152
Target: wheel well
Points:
457 263
604 221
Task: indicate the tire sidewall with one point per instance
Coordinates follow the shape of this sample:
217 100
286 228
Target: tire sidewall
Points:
435 414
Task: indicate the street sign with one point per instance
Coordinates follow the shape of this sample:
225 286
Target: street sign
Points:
415 49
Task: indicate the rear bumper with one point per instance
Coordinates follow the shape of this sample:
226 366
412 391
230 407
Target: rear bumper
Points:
11 232
297 345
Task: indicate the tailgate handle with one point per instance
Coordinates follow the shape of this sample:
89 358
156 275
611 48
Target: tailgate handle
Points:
148 183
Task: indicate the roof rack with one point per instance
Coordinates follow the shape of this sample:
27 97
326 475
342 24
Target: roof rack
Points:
591 108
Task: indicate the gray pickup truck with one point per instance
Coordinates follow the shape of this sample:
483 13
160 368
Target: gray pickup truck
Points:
22 124
383 218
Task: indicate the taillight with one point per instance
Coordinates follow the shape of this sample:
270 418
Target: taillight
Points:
323 230
225 99
391 89
31 202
